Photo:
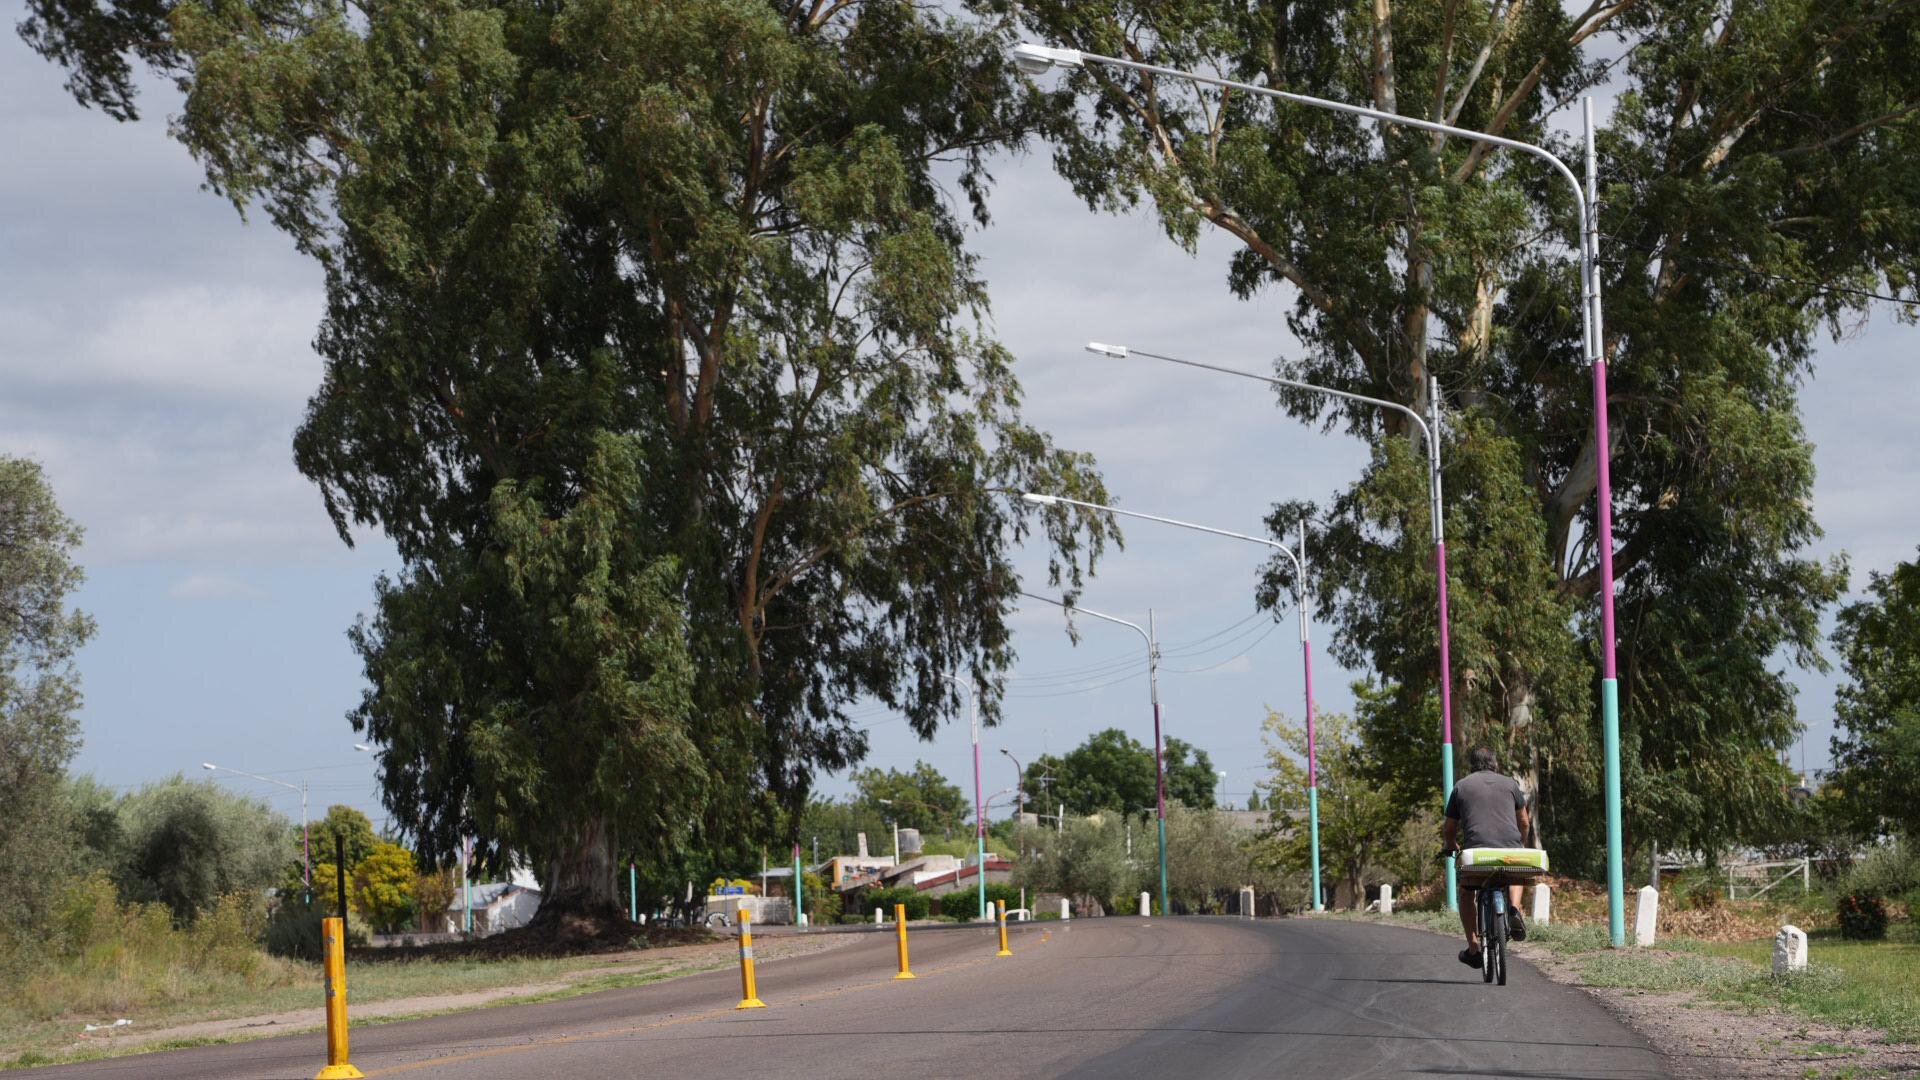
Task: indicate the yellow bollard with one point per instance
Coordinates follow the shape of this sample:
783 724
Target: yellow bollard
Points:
900 924
333 938
1004 951
749 998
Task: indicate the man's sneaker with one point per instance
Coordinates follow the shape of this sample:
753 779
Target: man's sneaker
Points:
1516 926
1470 957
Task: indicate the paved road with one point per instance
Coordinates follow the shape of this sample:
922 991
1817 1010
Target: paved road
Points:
1109 998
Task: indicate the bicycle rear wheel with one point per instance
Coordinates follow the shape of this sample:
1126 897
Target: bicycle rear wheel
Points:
1487 921
1498 961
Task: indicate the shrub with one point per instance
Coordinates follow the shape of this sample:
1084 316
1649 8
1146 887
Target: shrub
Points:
919 904
1863 916
1704 896
293 930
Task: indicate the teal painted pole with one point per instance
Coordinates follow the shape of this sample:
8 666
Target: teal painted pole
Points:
799 902
1313 829
633 892
1313 759
1616 885
1446 788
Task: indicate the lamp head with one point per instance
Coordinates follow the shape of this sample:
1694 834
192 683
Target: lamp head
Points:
1039 59
1038 499
1118 352
208 765
362 747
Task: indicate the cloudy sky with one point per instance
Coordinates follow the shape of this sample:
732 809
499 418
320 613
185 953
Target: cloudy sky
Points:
155 358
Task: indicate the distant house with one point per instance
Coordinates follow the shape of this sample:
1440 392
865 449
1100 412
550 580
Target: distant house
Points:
501 905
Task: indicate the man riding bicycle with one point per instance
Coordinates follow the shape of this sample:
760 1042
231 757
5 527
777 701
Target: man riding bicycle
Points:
1486 810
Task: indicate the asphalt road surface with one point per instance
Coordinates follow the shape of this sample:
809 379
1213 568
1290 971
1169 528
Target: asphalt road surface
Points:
1170 999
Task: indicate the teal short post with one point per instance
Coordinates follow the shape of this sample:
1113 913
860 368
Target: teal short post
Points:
1164 909
799 904
1313 832
1616 875
1446 792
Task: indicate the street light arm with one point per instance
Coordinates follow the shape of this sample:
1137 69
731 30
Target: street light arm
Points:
1054 500
1426 432
1041 55
1070 608
251 776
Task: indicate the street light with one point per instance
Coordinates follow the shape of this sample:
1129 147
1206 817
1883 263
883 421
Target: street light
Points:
1019 778
306 848
1430 431
1306 647
1036 59
1153 694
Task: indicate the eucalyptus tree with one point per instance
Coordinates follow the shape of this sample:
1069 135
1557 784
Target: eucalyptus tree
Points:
1756 189
653 344
40 632
1877 744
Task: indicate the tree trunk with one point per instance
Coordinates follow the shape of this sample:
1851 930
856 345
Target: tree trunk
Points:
579 879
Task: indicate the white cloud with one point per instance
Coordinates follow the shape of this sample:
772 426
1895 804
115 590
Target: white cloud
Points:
214 587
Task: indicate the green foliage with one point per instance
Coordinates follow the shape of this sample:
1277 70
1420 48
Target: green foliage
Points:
1863 915
293 929
922 799
838 824
653 345
1889 871
1086 862
1111 770
1360 818
1744 210
350 826
1208 858
1878 709
823 904
381 886
189 843
434 893
39 699
919 904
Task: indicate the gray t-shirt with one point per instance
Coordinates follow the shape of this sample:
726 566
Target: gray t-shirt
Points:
1484 804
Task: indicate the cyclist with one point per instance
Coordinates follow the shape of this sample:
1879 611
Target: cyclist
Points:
1487 809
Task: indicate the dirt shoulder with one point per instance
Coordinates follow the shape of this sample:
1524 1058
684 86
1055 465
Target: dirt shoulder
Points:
620 969
1678 1001
1703 1038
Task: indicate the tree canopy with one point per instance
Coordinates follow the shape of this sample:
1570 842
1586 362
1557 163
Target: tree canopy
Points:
1112 770
922 799
1878 708
1756 189
39 697
653 344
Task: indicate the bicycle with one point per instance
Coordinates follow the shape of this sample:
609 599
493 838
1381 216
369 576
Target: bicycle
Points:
1492 871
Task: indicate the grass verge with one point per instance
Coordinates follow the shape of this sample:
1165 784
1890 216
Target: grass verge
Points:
1867 984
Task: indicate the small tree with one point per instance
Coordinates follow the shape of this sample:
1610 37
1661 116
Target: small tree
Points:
433 896
382 886
187 844
1359 820
39 702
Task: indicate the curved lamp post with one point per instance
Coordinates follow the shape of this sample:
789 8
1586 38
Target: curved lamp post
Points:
1035 59
1153 693
1306 648
1436 512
